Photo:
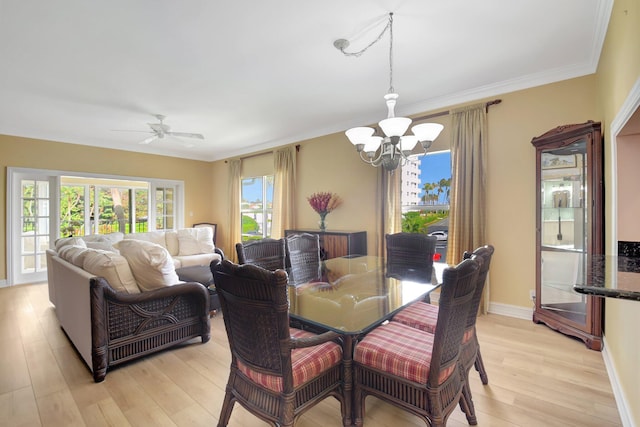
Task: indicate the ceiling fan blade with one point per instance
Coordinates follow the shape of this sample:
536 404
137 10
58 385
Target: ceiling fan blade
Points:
130 130
149 140
186 135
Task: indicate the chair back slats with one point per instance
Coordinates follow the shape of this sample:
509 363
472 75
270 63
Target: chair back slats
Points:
303 251
456 295
266 253
410 252
255 312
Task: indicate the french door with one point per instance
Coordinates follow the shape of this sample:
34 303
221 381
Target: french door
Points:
32 227
91 205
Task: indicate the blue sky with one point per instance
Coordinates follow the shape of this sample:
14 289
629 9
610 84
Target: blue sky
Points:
434 167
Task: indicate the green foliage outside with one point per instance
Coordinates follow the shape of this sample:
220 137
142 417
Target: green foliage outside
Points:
434 192
111 216
250 229
418 222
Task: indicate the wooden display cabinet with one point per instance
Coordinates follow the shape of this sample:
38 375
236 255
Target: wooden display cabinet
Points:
569 228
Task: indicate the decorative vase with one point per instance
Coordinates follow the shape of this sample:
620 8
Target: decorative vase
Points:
322 224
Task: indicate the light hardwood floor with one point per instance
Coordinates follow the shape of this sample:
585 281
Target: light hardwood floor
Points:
537 377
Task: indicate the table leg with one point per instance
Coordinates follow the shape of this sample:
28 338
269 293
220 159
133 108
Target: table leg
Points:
347 360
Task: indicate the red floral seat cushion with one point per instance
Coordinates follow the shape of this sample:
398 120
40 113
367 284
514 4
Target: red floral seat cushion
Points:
307 363
424 316
400 350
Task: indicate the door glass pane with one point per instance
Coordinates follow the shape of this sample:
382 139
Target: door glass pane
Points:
34 239
142 210
564 234
72 205
165 208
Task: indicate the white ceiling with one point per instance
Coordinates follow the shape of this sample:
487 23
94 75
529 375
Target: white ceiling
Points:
252 75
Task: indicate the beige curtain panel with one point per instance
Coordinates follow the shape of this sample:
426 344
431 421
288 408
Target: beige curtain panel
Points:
235 222
283 192
390 206
467 223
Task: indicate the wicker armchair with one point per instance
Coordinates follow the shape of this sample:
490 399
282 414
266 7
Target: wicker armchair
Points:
407 252
303 251
423 316
277 372
415 370
266 253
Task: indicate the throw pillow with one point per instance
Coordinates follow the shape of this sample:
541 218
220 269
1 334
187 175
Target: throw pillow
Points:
112 267
69 241
194 241
156 237
151 264
73 254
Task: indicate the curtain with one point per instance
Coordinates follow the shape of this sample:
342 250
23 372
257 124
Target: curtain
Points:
235 221
389 205
283 192
468 184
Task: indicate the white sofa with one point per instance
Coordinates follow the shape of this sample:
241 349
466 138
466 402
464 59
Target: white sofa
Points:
118 297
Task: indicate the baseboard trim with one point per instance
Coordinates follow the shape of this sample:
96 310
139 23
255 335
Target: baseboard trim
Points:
511 311
618 393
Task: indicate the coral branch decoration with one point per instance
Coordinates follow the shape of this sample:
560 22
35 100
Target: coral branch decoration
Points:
323 203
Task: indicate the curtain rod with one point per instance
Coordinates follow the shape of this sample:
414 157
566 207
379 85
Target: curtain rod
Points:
447 112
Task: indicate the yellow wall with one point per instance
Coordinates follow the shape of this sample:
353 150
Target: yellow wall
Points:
618 71
37 154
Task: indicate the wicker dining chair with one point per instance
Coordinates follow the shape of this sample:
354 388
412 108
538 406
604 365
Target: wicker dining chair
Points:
415 370
277 372
423 316
266 253
408 252
303 252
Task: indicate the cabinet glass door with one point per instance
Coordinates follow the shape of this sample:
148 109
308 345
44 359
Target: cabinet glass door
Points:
564 229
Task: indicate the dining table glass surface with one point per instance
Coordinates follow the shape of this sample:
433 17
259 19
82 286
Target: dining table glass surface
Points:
354 294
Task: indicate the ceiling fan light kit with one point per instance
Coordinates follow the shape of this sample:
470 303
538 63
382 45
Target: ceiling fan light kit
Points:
394 148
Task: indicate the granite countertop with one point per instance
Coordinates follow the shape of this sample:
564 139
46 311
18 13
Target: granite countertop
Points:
612 276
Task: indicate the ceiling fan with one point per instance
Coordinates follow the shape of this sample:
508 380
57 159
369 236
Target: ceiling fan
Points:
160 130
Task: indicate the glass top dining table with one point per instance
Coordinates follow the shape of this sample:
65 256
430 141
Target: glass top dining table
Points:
355 294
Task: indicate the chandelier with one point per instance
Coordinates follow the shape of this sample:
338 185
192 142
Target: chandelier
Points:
394 148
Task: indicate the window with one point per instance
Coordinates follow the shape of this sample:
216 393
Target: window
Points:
426 184
102 206
256 207
46 204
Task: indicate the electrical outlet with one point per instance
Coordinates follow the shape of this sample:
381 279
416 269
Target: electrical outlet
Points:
532 294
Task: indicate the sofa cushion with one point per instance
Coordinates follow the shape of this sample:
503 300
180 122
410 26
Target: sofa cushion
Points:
109 237
69 241
103 241
150 263
113 267
195 241
156 237
199 259
171 238
73 254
